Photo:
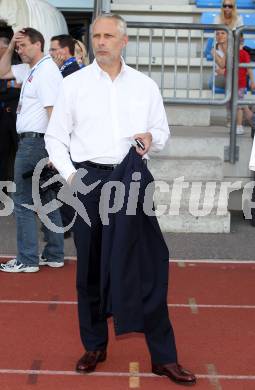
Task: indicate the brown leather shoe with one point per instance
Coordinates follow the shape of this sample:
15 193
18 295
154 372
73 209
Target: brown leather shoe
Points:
89 361
175 372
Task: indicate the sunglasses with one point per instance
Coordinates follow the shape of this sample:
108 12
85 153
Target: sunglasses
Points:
227 6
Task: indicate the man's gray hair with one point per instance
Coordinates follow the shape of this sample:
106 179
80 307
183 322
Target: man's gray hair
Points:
121 23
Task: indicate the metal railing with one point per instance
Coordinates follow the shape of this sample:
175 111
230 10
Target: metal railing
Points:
163 63
97 8
101 6
235 101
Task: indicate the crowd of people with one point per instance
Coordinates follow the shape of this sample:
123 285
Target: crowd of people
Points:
10 92
230 18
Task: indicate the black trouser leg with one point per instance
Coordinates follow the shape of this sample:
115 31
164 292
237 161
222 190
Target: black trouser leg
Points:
160 340
93 327
158 328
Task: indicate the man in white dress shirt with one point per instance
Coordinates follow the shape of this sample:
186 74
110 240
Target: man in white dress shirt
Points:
41 79
100 110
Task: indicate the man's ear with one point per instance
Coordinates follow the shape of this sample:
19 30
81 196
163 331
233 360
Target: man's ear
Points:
125 41
39 45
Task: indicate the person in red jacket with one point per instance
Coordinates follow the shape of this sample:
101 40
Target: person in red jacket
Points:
244 58
220 57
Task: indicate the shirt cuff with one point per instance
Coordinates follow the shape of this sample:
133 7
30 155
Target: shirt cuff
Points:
67 171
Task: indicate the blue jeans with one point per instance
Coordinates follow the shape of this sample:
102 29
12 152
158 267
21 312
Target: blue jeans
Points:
30 151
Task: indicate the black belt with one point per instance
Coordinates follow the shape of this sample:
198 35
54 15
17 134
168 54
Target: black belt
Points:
106 167
31 134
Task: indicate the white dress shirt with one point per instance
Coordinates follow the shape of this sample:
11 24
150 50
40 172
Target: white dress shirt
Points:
39 90
252 158
95 118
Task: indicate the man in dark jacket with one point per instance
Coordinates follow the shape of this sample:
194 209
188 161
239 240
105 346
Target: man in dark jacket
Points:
62 51
100 111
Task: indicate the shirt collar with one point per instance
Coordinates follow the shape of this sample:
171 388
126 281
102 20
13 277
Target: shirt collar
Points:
69 61
48 56
99 71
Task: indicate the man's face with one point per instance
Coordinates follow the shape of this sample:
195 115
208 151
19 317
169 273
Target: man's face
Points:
107 41
55 50
28 51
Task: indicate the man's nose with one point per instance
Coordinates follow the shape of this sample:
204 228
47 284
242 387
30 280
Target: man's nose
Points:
101 41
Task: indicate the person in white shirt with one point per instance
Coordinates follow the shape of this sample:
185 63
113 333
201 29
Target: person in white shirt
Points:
99 112
41 79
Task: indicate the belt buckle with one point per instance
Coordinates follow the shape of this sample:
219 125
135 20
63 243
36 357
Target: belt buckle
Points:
8 109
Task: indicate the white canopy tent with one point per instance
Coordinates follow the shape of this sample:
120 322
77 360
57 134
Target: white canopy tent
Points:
38 14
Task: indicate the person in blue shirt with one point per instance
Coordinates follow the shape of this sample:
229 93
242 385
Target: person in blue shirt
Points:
62 51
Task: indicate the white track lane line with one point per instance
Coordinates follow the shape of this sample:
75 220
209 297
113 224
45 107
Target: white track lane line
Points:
213 261
202 261
119 374
202 306
177 305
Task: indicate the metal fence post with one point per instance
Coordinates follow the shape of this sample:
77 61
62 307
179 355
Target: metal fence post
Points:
234 100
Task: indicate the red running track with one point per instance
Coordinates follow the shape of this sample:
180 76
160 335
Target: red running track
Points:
212 308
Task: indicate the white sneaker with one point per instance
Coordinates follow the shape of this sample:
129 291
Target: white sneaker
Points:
16 266
53 264
239 130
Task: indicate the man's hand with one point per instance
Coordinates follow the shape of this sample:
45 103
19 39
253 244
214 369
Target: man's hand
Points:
17 38
146 139
5 61
59 60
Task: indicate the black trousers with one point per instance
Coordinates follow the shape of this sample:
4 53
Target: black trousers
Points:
93 327
8 144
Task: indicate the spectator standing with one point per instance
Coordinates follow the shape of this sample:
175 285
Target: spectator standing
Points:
41 81
244 58
220 56
81 54
62 51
